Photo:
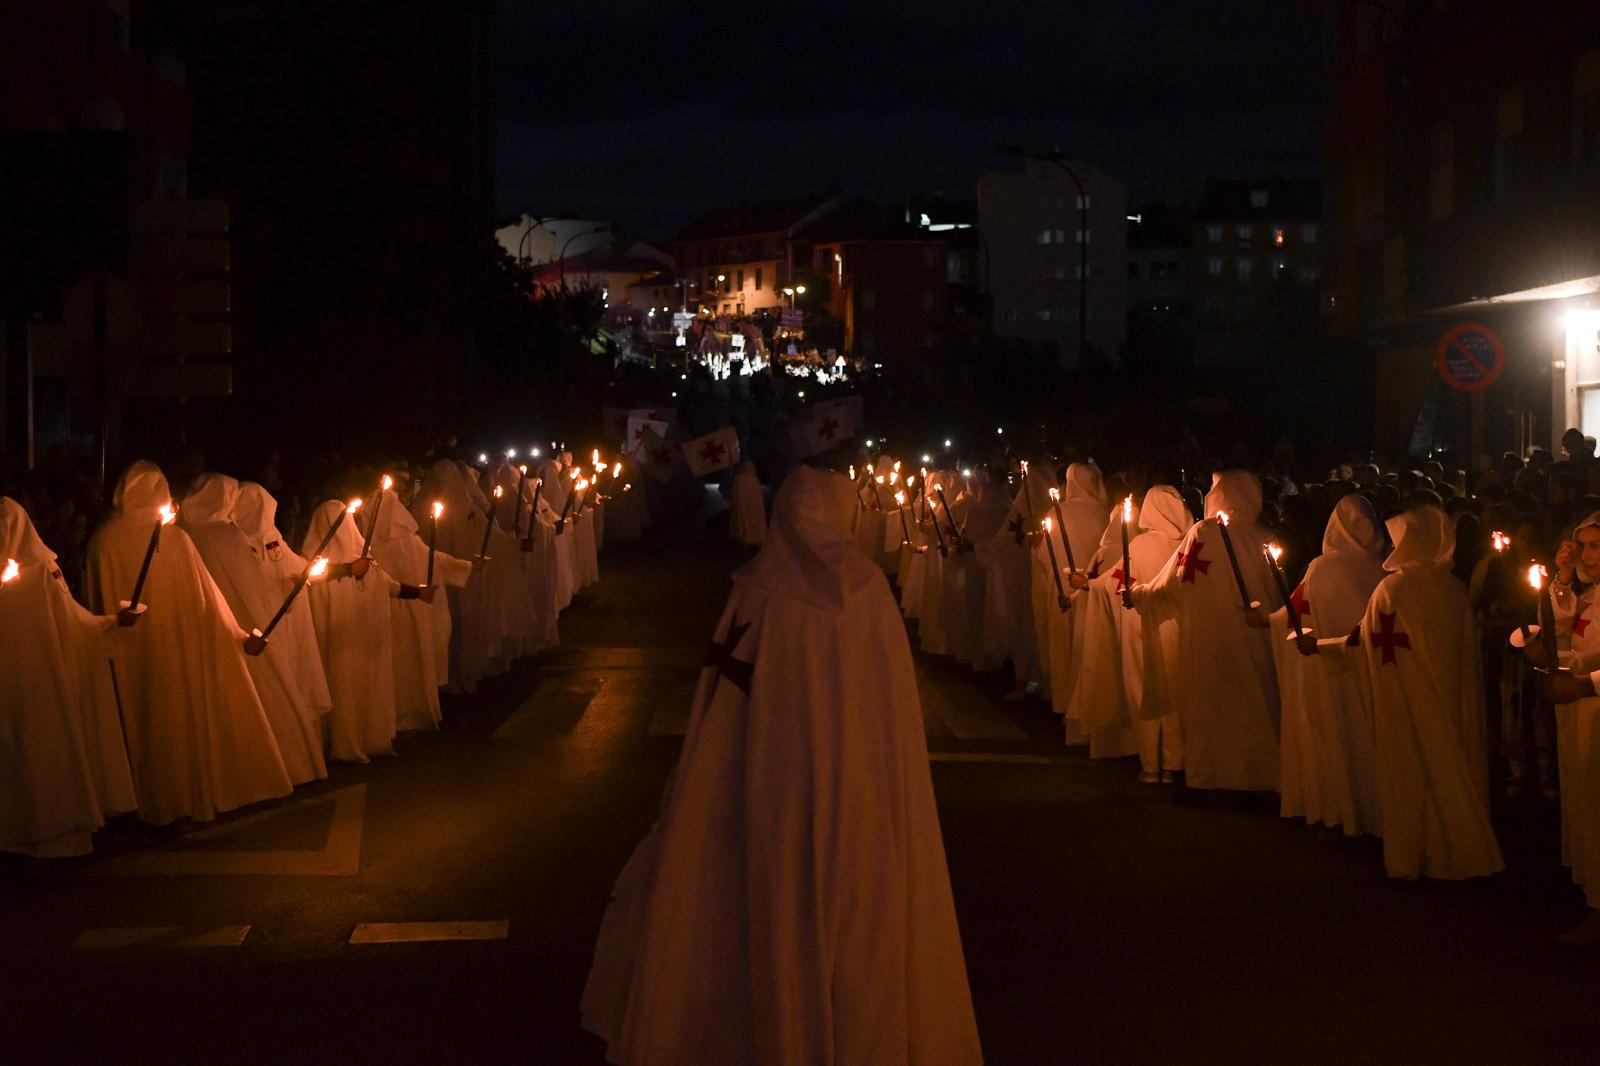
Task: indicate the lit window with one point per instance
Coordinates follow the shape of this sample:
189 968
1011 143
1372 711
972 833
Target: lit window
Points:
1084 235
1214 234
1258 198
1044 236
1279 235
1083 203
1214 265
1043 314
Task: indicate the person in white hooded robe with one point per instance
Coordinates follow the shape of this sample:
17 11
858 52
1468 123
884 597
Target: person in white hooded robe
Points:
747 511
420 625
519 629
1090 682
1228 699
63 766
1084 512
530 543
1008 622
198 738
981 513
793 905
475 639
355 637
1327 757
555 484
1425 684
254 588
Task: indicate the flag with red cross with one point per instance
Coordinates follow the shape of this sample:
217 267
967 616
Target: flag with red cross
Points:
713 452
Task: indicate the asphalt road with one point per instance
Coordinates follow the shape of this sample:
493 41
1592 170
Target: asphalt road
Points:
1103 919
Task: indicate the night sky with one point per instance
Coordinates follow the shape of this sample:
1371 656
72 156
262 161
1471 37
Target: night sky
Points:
646 114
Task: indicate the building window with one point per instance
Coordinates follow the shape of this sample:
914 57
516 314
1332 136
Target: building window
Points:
1214 234
758 279
1243 306
1258 198
1081 272
1441 171
1243 266
1586 111
1083 203
1213 308
1308 233
1061 203
869 299
1245 233
1279 235
1133 270
1061 273
1044 236
1214 265
1507 140
1043 314
1084 236
1309 275
1011 314
1061 236
741 281
927 299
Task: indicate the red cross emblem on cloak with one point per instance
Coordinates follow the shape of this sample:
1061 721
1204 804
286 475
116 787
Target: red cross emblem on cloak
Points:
828 427
1302 606
712 452
1579 624
737 672
1190 562
1387 639
1120 578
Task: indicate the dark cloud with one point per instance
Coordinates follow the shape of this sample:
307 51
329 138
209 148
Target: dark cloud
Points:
648 114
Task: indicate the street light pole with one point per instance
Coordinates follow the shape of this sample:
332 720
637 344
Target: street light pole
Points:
532 225
561 260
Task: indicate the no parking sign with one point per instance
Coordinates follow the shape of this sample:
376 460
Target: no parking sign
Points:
1470 357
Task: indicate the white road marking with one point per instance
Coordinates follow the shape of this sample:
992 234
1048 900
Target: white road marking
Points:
165 936
423 932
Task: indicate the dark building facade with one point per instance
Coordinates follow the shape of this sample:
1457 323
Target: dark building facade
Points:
1463 155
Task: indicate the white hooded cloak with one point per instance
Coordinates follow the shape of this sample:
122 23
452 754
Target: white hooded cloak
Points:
1226 691
1327 755
1425 682
747 510
63 767
792 905
288 676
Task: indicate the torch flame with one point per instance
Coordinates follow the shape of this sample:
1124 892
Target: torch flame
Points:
583 483
1055 493
1274 550
878 479
1222 516
628 487
1536 575
499 491
438 508
894 477
617 469
852 472
900 498
388 483
319 566
1045 523
897 466
10 572
595 455
355 505
1500 541
169 514
869 468
523 469
1127 508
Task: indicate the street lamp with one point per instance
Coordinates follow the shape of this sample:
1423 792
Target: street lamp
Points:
532 225
1083 235
561 259
790 292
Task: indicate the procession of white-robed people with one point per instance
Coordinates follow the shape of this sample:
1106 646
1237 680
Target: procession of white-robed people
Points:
215 662
1347 646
